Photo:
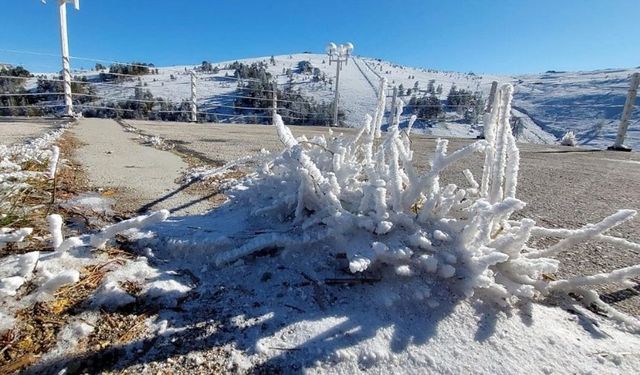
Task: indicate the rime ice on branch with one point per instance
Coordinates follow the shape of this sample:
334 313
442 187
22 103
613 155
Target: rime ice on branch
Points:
364 197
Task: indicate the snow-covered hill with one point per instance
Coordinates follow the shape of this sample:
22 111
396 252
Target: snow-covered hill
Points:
545 106
587 103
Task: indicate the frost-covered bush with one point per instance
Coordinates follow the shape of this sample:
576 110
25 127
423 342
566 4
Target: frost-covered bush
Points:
569 139
365 198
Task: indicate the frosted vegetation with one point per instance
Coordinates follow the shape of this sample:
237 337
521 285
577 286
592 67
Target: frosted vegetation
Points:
569 139
364 197
360 198
25 169
23 166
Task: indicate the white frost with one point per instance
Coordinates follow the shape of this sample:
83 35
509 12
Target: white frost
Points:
55 228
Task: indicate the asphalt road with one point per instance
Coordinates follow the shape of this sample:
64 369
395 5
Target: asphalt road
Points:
143 178
563 187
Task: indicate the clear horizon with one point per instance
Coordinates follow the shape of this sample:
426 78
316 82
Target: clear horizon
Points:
494 37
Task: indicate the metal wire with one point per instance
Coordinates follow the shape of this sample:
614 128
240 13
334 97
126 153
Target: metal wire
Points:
31 94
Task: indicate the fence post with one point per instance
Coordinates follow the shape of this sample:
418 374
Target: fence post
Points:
393 105
492 96
487 111
66 70
275 102
626 115
194 98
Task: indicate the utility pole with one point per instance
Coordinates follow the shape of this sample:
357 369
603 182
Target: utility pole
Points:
337 98
338 54
626 114
64 45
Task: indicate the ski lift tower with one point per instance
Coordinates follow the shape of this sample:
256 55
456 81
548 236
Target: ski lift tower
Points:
64 44
338 54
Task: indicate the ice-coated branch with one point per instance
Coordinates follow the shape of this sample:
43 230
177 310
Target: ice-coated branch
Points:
12 236
585 233
412 120
615 276
53 161
55 228
379 114
100 239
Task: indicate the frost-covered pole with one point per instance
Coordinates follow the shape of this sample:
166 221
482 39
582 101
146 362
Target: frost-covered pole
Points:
338 54
64 46
626 114
492 96
275 101
194 98
394 98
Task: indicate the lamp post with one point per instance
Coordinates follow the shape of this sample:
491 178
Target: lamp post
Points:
338 54
64 44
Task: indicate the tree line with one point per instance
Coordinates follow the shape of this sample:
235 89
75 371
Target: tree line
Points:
294 107
255 93
47 91
466 103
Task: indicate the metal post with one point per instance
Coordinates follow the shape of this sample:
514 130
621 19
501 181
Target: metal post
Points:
66 70
626 114
393 105
335 102
194 98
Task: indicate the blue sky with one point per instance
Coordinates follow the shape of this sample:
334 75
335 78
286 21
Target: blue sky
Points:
506 36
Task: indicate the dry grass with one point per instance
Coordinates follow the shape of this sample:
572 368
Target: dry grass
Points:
30 207
37 327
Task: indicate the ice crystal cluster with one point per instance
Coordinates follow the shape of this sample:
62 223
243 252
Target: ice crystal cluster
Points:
363 196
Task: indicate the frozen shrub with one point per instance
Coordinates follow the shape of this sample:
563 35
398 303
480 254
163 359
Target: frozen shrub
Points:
365 198
569 139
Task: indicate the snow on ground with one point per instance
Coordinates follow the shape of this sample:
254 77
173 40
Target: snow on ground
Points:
336 255
588 103
310 267
548 104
